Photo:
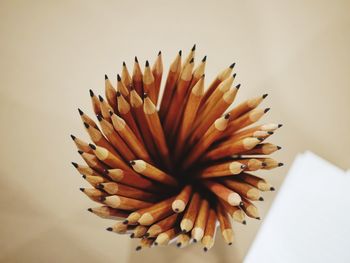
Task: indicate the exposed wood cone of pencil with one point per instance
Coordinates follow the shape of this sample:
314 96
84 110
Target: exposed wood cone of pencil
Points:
175 159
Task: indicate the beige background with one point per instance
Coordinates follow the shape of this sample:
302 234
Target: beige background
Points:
52 52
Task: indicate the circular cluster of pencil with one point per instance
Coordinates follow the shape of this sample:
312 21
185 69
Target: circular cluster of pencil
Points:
175 168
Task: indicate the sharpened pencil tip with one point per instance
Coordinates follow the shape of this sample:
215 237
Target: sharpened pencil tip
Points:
195 240
124 64
147 63
227 116
234 75
194 47
73 137
138 248
192 60
80 112
232 65
86 125
265 95
136 60
279 147
90 210
270 132
132 235
100 98
99 117
82 189
109 229
118 94
91 93
75 164
156 243
261 198
84 176
110 112
106 77
258 218
80 152
205 249
92 146
132 163
238 86
280 125
159 53
118 77
280 164
244 222
180 53
260 139
230 244
204 59
178 244
272 188
266 110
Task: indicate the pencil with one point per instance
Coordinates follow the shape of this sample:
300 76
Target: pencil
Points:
108 212
190 214
157 71
209 233
181 200
225 225
137 77
178 160
152 172
201 220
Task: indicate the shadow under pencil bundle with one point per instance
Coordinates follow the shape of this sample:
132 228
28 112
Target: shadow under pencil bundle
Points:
173 173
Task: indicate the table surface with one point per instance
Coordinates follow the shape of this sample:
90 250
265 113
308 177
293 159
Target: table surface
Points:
52 52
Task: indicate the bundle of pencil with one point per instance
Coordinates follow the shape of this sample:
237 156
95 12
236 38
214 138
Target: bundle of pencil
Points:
176 166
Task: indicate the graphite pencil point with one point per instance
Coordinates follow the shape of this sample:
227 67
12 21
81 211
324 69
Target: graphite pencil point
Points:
194 47
204 59
91 93
266 110
106 77
232 65
75 164
265 95
80 111
92 146
118 77
73 137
